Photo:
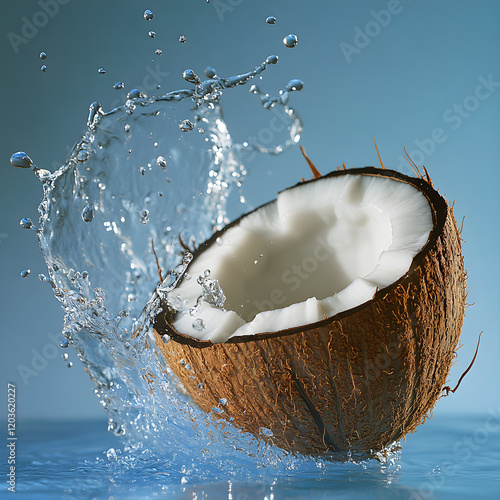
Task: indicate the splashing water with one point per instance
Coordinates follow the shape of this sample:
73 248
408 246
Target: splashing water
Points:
100 214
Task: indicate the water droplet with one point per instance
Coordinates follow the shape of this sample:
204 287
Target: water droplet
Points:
64 343
223 401
198 325
101 71
144 216
142 170
206 273
201 130
295 84
272 59
158 52
291 40
266 432
69 364
152 34
182 39
65 356
83 155
21 160
186 126
210 72
126 128
255 261
131 297
26 223
43 55
190 76
43 68
118 85
148 15
254 89
42 174
88 213
134 94
161 162
94 111
200 385
271 20
111 454
25 273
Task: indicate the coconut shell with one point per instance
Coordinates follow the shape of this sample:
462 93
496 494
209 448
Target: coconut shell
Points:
357 381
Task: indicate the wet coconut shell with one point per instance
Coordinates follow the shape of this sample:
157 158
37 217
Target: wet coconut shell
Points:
357 381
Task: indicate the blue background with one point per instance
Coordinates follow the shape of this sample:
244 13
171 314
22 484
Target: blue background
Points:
410 81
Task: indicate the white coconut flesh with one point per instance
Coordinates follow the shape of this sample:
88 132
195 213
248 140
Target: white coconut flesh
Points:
319 249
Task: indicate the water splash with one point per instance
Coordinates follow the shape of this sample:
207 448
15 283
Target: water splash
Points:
98 222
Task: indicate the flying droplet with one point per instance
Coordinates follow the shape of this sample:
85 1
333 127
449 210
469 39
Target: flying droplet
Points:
69 364
223 401
142 170
25 273
21 160
131 297
210 72
198 325
182 39
88 214
161 162
158 52
126 128
43 55
134 94
144 216
148 15
291 40
190 76
152 34
295 84
26 223
118 85
43 68
83 155
64 343
186 126
254 89
272 59
101 71
271 20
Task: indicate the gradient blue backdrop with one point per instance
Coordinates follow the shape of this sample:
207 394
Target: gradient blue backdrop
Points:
415 78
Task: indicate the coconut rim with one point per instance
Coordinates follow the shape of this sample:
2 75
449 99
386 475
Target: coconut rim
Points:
439 209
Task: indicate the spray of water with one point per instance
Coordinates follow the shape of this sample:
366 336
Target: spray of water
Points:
157 169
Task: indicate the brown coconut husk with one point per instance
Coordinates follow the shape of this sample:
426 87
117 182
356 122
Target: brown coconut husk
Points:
357 381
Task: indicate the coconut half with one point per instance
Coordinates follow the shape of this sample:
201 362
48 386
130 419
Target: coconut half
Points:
329 316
